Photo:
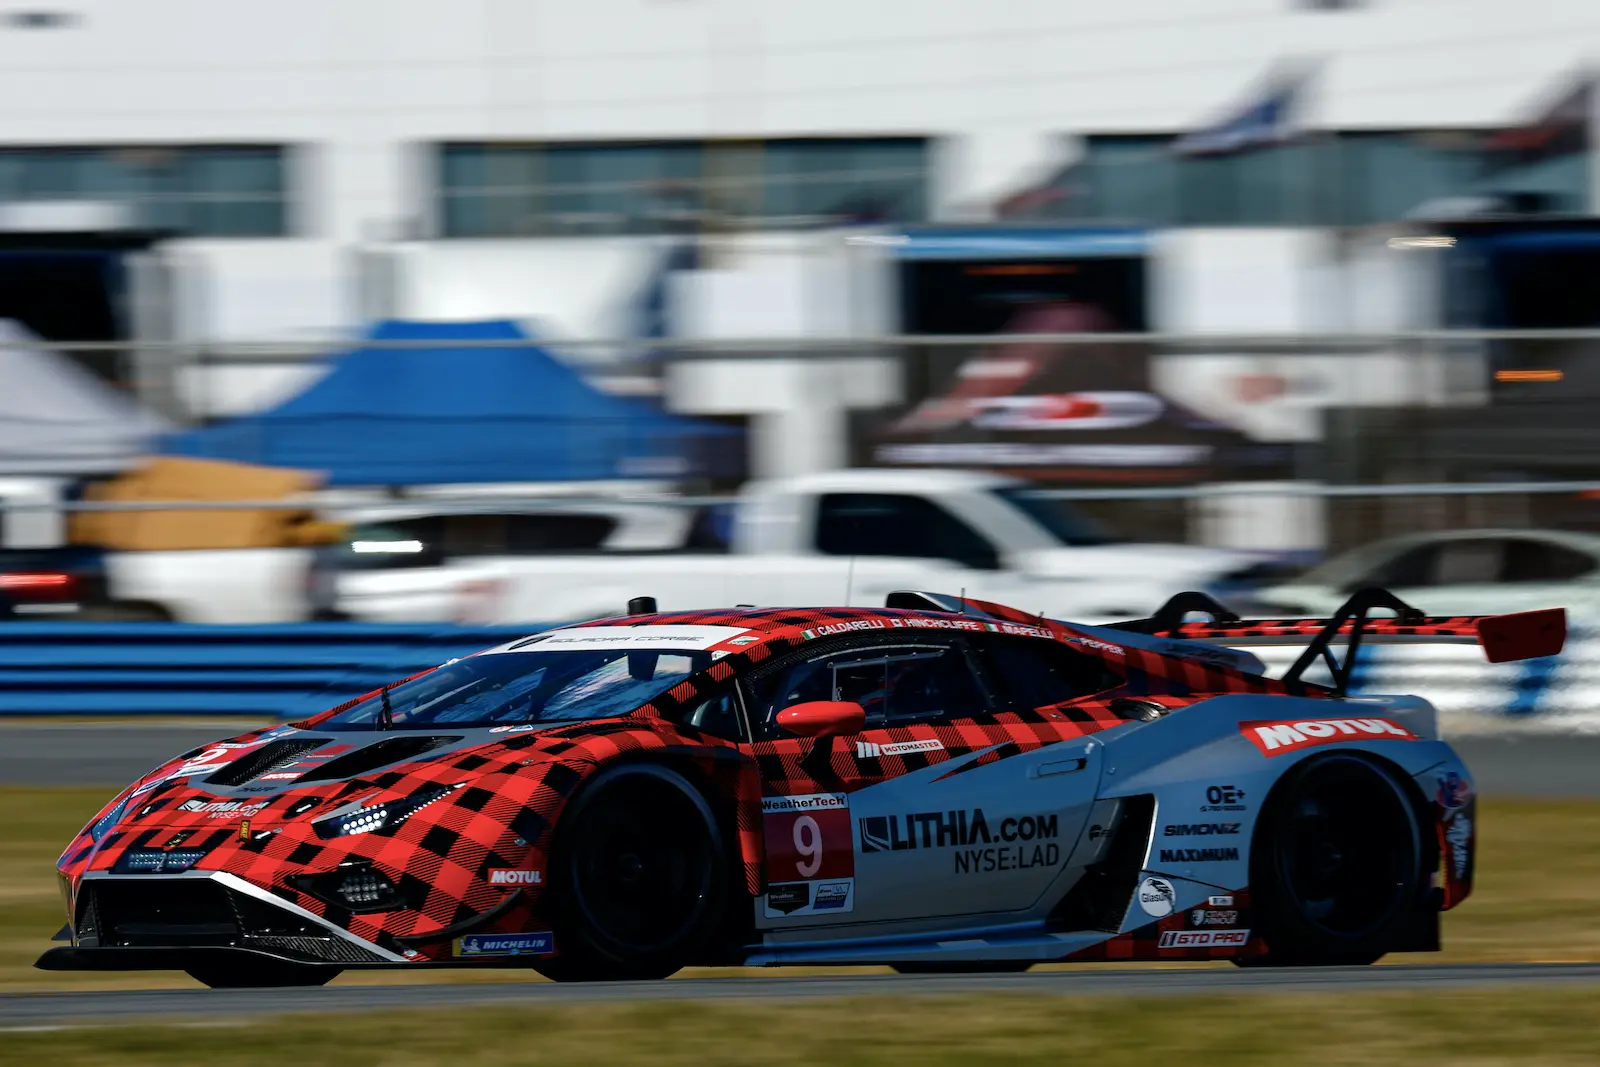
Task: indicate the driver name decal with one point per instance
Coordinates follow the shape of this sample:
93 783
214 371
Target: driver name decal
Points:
1274 737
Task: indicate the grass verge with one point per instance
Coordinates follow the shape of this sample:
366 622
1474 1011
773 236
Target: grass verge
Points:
1473 1029
1537 899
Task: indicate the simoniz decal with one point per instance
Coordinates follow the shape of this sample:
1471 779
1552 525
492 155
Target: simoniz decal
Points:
1274 737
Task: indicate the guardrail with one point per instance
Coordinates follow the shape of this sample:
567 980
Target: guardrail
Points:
284 672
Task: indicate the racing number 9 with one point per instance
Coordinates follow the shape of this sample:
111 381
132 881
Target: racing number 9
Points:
808 843
807 839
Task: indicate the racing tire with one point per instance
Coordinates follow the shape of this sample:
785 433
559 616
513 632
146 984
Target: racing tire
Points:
1337 869
640 878
262 976
963 967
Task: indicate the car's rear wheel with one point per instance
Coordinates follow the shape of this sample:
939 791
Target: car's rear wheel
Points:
261 975
963 967
640 877
1336 874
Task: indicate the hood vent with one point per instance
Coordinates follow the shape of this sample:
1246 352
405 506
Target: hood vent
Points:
389 750
265 760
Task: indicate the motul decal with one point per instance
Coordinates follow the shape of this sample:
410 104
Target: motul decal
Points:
505 876
1274 737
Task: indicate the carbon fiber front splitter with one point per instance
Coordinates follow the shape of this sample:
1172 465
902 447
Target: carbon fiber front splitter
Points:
175 958
163 958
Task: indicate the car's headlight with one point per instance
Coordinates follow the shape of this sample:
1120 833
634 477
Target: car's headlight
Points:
104 824
377 817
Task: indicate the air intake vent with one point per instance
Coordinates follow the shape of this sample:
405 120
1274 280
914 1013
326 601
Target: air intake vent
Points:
390 750
1100 899
264 760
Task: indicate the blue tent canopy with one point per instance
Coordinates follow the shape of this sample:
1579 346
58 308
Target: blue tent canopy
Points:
447 412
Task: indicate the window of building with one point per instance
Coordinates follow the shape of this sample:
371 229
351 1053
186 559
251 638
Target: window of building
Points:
1346 178
495 190
200 190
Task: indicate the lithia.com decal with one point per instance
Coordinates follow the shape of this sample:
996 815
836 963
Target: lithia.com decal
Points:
1012 843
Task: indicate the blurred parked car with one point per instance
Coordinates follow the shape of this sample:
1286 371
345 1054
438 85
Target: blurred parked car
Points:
849 535
1462 572
69 582
440 536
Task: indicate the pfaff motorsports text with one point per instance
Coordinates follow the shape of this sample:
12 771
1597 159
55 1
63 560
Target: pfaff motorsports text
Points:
1013 843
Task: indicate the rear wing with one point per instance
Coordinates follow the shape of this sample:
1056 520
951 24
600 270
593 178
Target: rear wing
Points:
1504 638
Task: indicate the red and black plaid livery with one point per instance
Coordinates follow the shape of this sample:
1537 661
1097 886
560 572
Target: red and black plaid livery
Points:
511 792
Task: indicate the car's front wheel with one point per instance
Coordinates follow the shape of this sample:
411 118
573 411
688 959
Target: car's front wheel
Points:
261 975
640 877
1336 875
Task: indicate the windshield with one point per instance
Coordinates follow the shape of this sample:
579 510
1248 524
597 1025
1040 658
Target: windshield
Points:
512 688
1066 524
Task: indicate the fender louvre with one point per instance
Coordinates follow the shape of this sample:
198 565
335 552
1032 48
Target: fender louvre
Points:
1099 900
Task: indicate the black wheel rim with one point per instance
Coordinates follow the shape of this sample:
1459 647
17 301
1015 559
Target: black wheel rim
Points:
642 866
1347 850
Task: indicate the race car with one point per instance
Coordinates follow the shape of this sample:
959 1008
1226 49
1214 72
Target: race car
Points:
938 784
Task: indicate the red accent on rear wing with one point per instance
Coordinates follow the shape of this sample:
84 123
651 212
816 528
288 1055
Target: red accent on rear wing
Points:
1524 635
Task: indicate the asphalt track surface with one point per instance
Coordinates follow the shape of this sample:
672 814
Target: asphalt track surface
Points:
43 1010
92 754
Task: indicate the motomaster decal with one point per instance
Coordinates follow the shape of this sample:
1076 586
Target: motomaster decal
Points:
1199 855
1274 737
1203 938
536 944
514 876
1199 829
867 749
1157 897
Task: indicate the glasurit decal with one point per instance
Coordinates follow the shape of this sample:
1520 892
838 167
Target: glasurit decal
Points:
1274 737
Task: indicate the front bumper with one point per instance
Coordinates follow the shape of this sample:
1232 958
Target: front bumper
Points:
158 917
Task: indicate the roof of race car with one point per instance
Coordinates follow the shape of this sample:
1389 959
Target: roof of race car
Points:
739 628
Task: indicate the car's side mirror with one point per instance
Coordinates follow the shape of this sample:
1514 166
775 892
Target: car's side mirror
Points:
822 718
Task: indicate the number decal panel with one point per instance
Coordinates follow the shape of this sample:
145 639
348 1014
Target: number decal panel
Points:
805 842
811 860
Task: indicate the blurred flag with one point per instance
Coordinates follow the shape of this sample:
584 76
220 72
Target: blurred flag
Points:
1562 128
1270 117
